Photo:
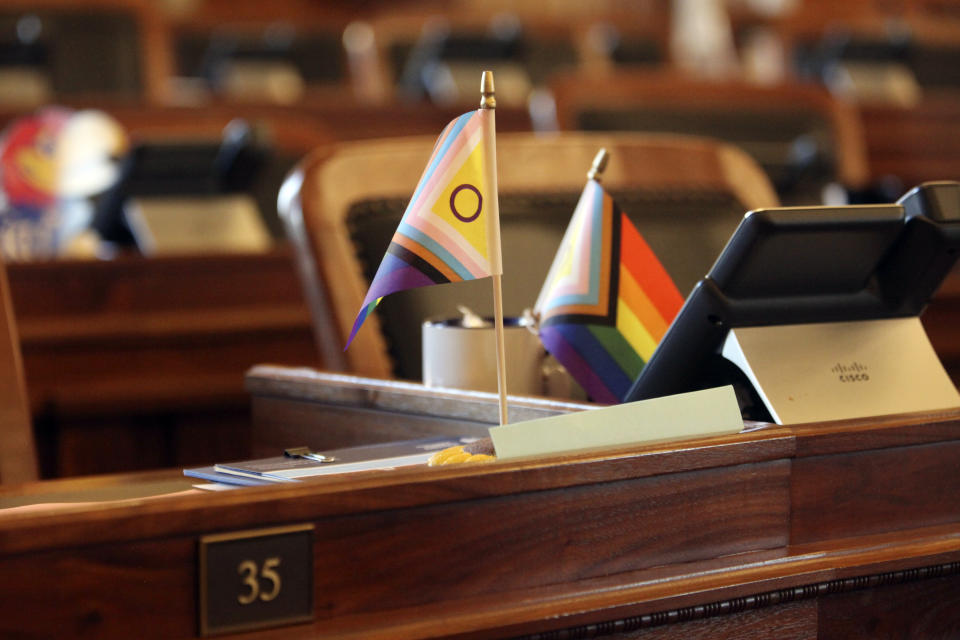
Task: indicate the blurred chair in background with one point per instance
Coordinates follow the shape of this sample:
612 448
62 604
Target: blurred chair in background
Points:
275 136
896 66
436 56
433 52
343 204
58 50
280 63
622 41
197 173
900 64
874 52
281 52
802 137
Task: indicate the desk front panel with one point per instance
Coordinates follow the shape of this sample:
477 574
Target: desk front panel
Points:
658 541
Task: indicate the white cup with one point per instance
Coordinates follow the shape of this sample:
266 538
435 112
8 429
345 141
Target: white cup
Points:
466 357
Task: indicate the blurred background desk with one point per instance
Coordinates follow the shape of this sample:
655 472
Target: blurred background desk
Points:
138 363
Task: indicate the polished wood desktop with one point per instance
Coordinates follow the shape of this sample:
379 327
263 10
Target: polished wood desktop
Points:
847 529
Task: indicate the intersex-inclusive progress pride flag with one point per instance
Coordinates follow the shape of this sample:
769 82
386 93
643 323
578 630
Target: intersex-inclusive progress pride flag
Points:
447 233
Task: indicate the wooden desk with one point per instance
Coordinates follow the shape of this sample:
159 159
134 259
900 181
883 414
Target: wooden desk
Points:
288 402
848 529
138 363
301 406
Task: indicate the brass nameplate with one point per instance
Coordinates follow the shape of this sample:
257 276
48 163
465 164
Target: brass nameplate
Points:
256 579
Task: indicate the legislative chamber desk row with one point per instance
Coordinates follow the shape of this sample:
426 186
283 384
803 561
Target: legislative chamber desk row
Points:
847 529
137 362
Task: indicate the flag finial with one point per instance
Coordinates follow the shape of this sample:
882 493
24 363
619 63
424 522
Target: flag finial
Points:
599 165
487 99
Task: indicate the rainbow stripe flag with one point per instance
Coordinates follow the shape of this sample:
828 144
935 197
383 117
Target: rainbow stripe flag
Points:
450 231
607 300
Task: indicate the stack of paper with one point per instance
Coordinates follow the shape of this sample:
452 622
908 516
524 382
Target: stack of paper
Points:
388 455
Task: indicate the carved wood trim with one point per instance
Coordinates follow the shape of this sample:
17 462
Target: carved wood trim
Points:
747 603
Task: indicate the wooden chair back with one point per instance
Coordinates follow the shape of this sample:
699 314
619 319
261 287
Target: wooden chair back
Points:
344 203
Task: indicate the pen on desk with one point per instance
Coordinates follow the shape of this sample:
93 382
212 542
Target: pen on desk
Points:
304 452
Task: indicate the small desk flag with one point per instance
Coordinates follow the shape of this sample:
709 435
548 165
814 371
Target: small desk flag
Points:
607 300
450 231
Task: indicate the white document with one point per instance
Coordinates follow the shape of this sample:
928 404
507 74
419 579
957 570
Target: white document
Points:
682 416
838 370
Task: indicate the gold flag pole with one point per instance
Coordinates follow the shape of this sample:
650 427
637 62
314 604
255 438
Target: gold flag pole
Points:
599 165
488 104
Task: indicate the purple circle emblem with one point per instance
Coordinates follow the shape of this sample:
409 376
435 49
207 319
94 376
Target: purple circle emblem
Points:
453 203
